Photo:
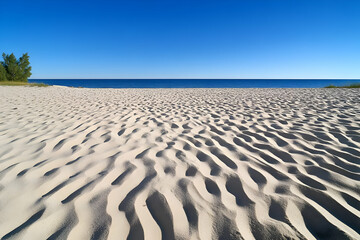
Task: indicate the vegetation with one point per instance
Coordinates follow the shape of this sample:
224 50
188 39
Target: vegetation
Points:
15 70
12 83
355 85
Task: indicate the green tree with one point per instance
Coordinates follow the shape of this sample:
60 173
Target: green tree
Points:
12 67
25 67
2 72
16 70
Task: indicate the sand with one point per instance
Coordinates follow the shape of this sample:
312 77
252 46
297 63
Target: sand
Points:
179 163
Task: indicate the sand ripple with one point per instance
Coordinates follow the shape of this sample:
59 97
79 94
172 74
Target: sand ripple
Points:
179 163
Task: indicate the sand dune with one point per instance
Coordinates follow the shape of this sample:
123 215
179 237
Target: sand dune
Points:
179 163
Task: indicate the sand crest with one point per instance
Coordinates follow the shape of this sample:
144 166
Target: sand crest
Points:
179 163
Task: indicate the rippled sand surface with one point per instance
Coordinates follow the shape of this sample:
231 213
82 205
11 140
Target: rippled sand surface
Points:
179 163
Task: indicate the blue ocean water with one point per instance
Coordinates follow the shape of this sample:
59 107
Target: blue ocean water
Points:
195 83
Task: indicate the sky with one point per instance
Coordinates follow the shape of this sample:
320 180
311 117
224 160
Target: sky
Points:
184 38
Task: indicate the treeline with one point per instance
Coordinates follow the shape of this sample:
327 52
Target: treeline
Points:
12 69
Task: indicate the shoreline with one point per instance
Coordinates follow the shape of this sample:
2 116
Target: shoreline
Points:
196 83
190 88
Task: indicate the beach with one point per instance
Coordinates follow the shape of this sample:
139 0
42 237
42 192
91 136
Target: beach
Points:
79 163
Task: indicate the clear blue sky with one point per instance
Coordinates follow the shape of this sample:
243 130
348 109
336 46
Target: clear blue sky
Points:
185 38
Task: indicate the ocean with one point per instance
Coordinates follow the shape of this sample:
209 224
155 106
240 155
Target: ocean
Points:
196 83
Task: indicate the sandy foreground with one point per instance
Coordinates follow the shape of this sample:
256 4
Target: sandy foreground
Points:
179 163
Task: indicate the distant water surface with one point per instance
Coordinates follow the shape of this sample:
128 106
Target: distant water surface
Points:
195 83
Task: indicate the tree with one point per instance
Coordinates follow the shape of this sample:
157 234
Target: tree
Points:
16 70
2 72
25 67
11 66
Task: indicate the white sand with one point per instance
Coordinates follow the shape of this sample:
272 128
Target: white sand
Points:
179 163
